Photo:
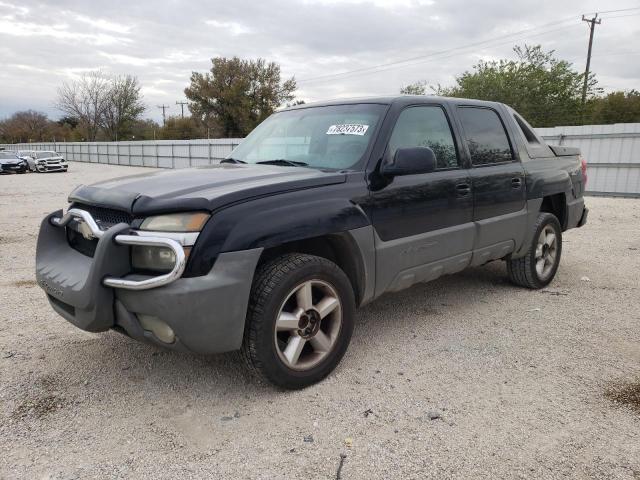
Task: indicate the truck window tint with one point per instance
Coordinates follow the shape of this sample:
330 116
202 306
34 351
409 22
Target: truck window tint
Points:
485 135
425 127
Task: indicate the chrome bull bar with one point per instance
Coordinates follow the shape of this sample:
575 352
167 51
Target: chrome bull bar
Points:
90 229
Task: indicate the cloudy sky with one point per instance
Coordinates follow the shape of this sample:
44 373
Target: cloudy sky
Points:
334 48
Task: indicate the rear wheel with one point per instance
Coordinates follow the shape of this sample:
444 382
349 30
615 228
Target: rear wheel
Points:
539 266
300 320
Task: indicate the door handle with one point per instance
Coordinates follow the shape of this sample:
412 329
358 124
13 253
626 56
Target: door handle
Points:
463 189
516 182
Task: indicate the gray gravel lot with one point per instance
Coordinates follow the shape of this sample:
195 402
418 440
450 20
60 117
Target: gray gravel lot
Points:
465 377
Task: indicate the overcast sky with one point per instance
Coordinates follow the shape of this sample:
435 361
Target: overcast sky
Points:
162 42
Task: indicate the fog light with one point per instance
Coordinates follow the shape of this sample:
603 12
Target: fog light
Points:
161 330
157 259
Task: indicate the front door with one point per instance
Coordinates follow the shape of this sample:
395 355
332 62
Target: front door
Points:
423 222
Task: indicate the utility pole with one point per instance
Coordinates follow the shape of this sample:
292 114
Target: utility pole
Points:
182 104
592 26
164 108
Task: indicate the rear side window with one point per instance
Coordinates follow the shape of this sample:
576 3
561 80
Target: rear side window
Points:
425 126
485 136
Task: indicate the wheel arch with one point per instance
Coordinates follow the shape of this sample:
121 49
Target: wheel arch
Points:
556 204
345 249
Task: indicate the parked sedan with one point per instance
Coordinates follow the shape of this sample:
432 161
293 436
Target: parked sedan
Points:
11 163
44 161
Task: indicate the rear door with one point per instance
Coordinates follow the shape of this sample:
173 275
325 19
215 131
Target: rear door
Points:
423 222
498 183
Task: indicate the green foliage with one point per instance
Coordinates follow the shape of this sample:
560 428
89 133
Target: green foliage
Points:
616 107
418 88
545 90
178 128
236 95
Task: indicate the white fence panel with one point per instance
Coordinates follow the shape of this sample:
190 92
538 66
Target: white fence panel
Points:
612 153
148 153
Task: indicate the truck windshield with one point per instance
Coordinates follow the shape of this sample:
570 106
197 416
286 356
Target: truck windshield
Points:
331 137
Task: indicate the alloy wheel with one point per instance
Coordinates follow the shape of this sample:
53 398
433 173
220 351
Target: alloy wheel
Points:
546 252
308 324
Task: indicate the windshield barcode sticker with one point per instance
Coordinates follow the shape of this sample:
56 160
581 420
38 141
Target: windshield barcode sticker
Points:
348 129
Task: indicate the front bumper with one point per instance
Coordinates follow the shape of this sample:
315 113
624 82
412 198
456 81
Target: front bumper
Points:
13 168
52 167
206 313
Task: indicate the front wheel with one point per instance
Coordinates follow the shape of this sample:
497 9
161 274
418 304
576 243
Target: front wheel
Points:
300 320
540 264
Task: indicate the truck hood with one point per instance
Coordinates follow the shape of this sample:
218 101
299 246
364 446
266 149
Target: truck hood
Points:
203 188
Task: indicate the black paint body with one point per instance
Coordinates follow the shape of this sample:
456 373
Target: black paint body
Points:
266 206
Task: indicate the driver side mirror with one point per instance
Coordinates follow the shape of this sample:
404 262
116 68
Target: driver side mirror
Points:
409 161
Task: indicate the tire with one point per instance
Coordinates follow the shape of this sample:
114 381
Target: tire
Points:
312 301
526 271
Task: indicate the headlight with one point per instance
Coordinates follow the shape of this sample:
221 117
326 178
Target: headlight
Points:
176 222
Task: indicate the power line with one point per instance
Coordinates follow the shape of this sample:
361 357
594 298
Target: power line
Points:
420 57
592 26
614 11
423 58
435 56
164 108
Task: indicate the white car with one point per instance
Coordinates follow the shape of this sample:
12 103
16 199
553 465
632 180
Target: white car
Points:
44 161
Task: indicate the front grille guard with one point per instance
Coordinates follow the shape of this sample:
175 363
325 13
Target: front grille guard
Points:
90 228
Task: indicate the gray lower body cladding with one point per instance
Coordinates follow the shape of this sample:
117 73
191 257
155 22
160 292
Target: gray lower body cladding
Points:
206 313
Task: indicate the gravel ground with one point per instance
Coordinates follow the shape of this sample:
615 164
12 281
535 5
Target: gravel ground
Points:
465 377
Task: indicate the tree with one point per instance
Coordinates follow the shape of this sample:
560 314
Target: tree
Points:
418 88
545 90
29 126
178 128
123 107
237 94
616 107
87 100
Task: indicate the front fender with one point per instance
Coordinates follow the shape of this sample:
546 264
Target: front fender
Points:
275 220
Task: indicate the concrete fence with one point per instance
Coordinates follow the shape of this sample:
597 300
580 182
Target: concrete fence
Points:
612 153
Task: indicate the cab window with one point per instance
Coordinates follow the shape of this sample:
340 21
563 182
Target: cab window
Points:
425 126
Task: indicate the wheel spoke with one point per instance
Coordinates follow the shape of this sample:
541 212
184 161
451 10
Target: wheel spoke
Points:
550 239
539 251
327 305
321 342
303 296
540 266
294 349
287 321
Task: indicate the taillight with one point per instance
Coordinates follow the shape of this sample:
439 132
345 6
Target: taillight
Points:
583 166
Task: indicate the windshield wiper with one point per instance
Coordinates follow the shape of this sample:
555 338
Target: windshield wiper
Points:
232 160
282 161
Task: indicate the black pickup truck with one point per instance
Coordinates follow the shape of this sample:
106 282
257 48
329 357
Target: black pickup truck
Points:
320 210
